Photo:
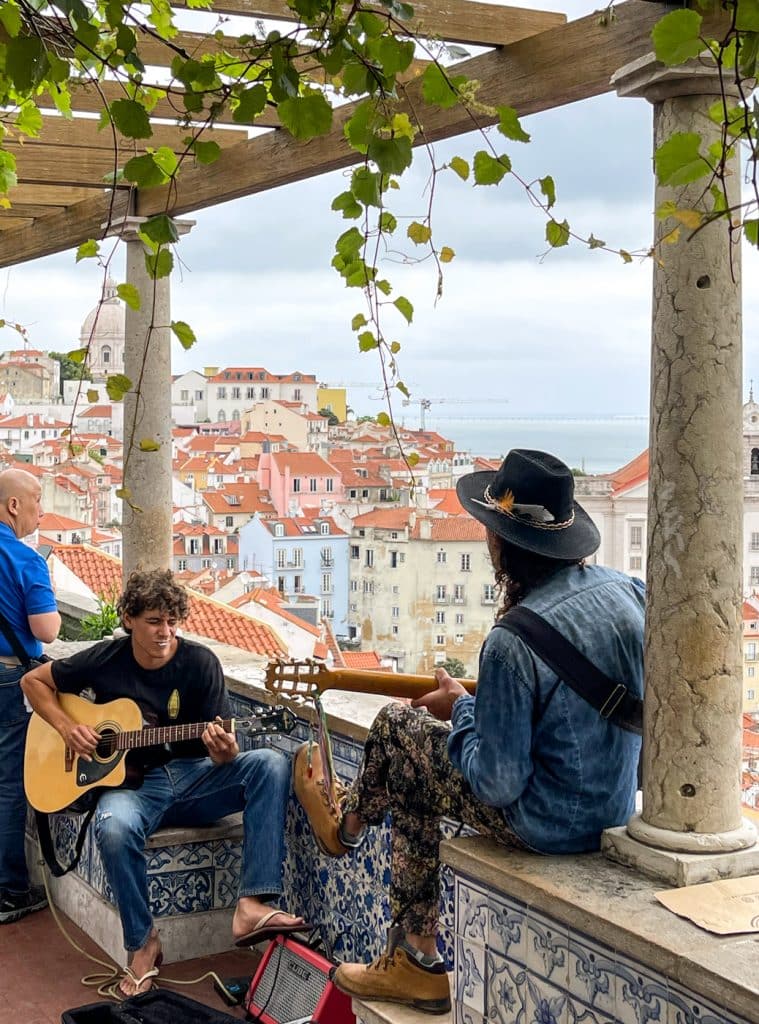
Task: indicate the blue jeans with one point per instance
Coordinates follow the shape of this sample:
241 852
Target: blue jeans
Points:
190 792
14 721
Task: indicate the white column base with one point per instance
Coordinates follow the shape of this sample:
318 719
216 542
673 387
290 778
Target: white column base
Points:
676 867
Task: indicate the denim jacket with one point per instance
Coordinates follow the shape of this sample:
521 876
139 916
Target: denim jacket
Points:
529 744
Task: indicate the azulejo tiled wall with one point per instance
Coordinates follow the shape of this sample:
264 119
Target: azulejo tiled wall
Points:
346 897
515 965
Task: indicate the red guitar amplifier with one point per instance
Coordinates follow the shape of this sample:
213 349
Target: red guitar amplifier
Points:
292 986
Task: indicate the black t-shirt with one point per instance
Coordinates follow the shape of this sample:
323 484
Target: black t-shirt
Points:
189 688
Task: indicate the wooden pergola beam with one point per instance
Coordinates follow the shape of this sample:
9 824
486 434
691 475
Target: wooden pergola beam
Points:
456 21
86 99
566 64
57 131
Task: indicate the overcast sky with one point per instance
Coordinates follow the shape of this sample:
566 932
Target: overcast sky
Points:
568 333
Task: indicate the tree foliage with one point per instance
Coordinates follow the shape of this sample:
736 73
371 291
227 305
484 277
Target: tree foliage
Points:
70 369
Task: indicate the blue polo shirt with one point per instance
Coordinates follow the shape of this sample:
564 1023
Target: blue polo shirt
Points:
24 590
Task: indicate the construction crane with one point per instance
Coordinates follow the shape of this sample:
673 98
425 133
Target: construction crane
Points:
425 404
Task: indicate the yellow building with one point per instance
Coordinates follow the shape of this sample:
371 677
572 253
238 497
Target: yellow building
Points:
333 399
750 657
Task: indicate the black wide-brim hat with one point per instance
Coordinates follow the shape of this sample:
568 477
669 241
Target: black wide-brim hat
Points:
529 502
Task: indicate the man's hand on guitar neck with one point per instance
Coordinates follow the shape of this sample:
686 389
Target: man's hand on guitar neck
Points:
221 746
440 702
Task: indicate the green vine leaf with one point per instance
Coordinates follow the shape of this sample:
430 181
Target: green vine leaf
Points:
144 171
678 161
459 166
626 257
367 341
184 333
489 170
358 321
677 37
557 234
751 231
419 234
405 308
87 250
446 254
159 264
159 230
131 119
383 419
548 189
129 294
250 103
366 186
147 444
440 89
392 156
10 19
93 395
307 116
596 243
509 126
77 355
347 204
747 16
117 386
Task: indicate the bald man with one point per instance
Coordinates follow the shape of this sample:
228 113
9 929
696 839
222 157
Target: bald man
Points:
28 603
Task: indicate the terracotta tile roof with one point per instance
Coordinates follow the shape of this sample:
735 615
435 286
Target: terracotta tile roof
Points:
332 645
631 475
303 462
209 618
50 521
229 374
38 422
453 528
96 412
445 499
480 463
749 611
270 599
363 660
197 529
251 499
395 518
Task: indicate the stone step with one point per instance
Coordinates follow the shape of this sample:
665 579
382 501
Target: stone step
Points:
394 1013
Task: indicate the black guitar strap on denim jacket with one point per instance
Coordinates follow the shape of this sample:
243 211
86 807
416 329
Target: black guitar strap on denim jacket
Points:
612 700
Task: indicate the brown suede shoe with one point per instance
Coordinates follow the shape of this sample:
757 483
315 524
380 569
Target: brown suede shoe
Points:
311 791
397 978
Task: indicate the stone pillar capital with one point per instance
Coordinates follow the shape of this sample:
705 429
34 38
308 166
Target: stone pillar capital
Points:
648 78
127 229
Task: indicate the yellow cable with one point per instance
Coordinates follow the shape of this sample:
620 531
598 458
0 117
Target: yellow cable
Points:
107 984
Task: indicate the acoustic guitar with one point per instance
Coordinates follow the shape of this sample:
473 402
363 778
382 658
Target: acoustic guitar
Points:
300 680
55 777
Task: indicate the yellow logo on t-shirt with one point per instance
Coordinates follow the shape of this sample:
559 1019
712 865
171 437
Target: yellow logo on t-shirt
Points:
173 705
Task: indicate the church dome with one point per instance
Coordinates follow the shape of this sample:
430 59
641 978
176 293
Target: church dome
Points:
109 315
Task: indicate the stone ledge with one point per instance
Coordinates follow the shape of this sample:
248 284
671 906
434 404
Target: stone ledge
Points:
394 1013
225 828
617 907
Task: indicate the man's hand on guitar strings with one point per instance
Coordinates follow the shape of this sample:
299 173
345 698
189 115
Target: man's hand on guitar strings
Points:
221 746
82 739
439 702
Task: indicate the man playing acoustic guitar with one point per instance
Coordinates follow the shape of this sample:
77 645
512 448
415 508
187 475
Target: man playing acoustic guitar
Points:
528 760
193 782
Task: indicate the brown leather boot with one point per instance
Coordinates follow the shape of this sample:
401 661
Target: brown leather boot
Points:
397 977
311 790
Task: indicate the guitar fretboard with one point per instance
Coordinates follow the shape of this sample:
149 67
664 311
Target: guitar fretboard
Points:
154 737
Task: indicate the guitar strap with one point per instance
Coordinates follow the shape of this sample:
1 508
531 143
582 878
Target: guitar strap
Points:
47 846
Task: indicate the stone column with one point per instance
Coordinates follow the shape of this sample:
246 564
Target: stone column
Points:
147 512
693 656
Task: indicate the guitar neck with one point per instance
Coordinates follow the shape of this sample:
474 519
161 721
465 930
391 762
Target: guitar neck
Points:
385 684
154 737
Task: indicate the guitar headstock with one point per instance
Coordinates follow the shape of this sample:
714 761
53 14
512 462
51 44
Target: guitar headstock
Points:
276 720
297 680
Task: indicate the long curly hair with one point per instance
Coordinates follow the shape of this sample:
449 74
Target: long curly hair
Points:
153 590
517 571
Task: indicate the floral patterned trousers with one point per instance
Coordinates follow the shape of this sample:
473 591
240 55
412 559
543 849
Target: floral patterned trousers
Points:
406 771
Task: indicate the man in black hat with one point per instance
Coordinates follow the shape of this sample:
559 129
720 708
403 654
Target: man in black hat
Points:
528 761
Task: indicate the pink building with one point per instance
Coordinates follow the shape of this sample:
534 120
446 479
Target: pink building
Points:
299 481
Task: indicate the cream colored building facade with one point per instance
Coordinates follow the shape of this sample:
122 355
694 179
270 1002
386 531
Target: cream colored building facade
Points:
420 588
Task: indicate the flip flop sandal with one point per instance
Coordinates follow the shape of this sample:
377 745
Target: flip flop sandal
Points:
263 934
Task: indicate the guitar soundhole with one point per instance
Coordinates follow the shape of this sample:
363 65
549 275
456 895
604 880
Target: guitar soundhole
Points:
106 748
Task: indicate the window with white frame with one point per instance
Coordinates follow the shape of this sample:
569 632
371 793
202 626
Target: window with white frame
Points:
326 583
312 483
751 671
181 565
440 618
281 556
458 592
442 557
297 557
221 392
279 530
324 528
636 536
327 609
230 563
395 630
751 651
369 562
488 593
755 574
440 640
459 638
296 484
755 541
750 694
354 586
466 563
229 520
395 611
441 592
636 563
459 618
355 553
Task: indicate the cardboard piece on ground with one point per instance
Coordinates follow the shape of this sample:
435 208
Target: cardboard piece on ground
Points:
727 907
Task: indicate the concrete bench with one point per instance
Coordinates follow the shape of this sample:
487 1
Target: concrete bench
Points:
193 875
